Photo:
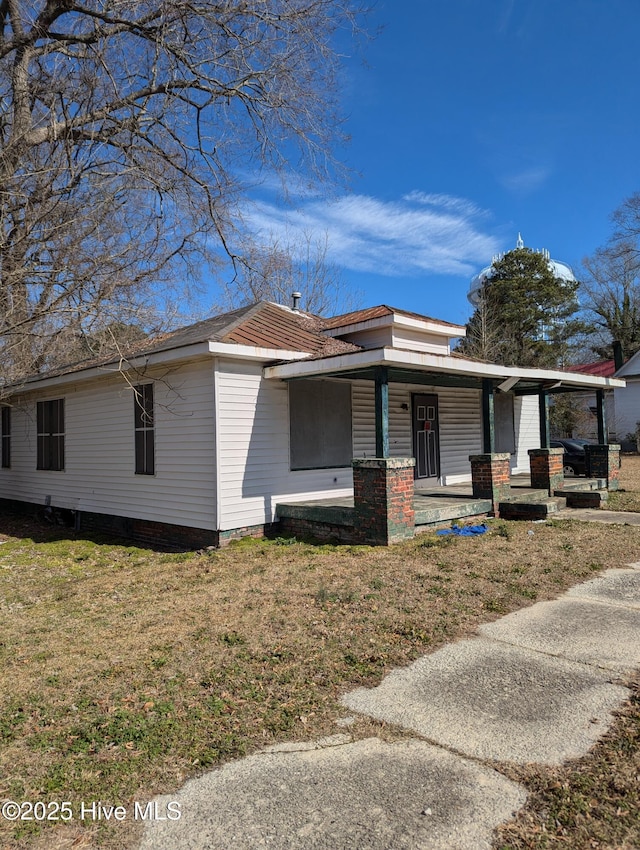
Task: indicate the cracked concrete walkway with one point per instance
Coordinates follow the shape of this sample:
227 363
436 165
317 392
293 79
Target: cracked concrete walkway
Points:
537 685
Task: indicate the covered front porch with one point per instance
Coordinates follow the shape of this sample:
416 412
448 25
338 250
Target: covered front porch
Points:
335 518
386 505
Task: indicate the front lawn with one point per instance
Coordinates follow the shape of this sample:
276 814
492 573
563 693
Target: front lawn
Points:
127 670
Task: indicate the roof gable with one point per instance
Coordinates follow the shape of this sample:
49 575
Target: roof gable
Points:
631 368
357 317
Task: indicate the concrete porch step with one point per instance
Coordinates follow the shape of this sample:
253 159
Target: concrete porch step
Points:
584 498
532 510
527 494
584 484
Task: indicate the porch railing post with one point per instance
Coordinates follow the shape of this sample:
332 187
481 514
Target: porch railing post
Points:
382 411
488 417
545 428
603 431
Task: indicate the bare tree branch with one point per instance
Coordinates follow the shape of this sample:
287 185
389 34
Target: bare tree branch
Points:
124 127
273 271
611 289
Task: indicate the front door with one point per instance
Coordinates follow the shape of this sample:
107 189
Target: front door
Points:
426 443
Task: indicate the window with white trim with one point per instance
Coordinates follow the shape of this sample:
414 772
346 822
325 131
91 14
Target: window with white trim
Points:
144 429
6 437
50 424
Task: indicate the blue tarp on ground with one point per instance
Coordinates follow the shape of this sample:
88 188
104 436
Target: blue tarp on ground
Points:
465 530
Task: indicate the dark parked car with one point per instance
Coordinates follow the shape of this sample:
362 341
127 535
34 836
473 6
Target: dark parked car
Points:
574 457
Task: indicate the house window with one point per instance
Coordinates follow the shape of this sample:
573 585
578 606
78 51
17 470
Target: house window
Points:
320 424
6 437
50 416
144 429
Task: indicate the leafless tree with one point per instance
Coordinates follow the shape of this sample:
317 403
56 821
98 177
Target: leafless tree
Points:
296 263
485 334
611 287
124 125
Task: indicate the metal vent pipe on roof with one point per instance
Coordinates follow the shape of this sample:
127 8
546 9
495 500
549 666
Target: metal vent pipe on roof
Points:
296 296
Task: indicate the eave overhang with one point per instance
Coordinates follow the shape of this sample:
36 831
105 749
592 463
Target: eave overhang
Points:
138 364
238 351
416 367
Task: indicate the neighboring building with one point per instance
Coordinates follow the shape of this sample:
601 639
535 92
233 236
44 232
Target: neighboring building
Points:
200 434
627 400
587 420
622 403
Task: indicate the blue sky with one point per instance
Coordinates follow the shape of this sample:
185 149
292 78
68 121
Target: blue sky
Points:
473 120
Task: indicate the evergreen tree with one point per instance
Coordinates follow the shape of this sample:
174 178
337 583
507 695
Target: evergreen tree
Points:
525 316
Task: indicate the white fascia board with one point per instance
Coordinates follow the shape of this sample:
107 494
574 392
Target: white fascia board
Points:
434 363
355 327
430 326
426 325
253 352
115 367
159 358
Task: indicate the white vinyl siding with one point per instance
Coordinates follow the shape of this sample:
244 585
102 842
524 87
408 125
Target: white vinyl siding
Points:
460 420
460 432
99 474
414 340
527 424
249 434
253 445
371 337
627 409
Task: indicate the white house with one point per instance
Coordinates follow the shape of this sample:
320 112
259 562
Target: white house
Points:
627 399
200 434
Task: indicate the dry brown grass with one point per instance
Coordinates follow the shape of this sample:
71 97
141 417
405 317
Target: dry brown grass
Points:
125 670
628 497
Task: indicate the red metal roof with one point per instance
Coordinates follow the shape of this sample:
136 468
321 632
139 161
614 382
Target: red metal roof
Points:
601 368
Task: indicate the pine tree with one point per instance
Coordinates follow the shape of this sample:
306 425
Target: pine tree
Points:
526 315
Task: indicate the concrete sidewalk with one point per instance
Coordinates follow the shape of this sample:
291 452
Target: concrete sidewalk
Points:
599 515
537 685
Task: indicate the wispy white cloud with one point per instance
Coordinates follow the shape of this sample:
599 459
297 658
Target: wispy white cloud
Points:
527 180
447 202
418 234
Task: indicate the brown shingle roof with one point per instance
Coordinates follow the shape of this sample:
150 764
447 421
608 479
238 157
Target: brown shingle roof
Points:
264 325
273 326
376 313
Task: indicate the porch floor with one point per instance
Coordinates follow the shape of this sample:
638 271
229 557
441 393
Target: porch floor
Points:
432 505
